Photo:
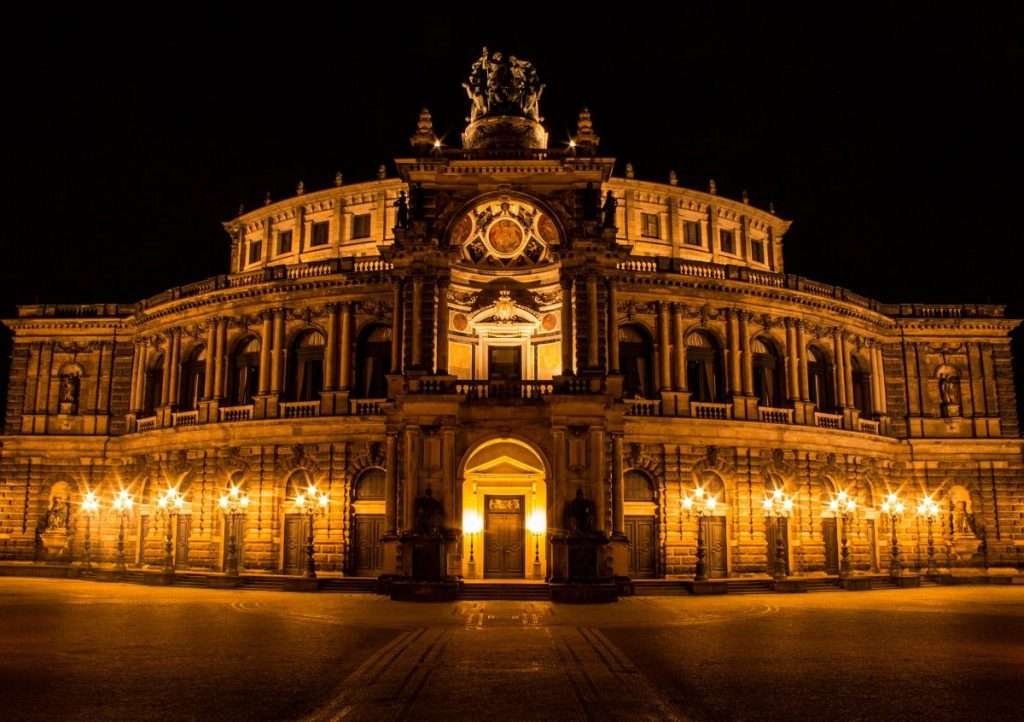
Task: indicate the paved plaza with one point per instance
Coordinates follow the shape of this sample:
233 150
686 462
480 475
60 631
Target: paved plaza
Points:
90 651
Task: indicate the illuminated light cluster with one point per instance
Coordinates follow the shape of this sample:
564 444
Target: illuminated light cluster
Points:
892 504
842 502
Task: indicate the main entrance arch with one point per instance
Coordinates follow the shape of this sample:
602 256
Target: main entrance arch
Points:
504 510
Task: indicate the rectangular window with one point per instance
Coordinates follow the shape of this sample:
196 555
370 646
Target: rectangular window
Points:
284 242
650 225
255 251
757 251
361 226
691 233
318 234
726 241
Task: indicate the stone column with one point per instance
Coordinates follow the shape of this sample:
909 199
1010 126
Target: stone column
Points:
665 357
567 334
680 346
878 379
139 381
839 352
792 362
733 339
396 328
221 360
442 326
345 352
411 464
175 365
165 388
265 343
801 346
276 359
417 321
613 329
390 483
592 323
331 349
211 343
747 356
847 367
618 487
134 389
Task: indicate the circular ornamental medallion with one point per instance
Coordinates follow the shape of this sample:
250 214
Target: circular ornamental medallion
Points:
505 237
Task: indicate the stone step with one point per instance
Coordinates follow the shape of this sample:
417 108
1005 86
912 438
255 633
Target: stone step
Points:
514 592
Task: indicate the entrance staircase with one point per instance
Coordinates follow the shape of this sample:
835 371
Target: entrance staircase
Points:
512 591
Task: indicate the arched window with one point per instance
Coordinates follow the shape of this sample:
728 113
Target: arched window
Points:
306 361
861 386
768 373
704 374
370 485
154 386
373 362
637 486
819 379
193 377
636 355
245 371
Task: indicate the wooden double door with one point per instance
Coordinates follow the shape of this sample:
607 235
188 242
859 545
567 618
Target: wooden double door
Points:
715 546
643 558
296 530
777 529
830 535
504 537
368 554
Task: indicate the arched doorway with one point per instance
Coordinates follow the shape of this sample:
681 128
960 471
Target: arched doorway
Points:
829 527
368 523
768 372
504 501
245 371
373 362
715 526
296 524
704 369
193 377
641 523
820 381
306 366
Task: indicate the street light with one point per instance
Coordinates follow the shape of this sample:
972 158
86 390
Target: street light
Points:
894 508
169 505
843 506
233 504
123 506
90 505
472 525
777 507
930 511
312 503
537 525
703 505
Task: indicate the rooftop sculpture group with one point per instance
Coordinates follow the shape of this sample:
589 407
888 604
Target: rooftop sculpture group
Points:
500 86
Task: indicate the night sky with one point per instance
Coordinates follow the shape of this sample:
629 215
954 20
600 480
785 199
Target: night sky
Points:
891 138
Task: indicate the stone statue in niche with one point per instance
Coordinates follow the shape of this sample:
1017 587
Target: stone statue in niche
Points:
401 211
608 210
67 395
581 515
58 515
429 518
949 394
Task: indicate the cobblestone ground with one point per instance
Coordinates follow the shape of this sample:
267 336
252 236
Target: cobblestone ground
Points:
90 651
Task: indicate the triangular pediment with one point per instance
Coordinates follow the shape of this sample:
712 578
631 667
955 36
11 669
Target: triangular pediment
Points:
504 465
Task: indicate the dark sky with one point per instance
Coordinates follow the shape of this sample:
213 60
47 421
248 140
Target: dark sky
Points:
892 138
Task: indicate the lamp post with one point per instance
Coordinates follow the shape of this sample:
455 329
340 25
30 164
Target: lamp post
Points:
894 508
169 506
537 525
843 506
472 525
703 505
90 505
123 506
777 507
930 511
233 504
312 503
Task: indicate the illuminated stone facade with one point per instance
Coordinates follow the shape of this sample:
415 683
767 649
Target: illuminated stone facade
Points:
488 326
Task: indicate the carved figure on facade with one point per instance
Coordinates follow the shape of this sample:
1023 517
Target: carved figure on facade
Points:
58 516
581 515
429 514
608 210
68 392
500 86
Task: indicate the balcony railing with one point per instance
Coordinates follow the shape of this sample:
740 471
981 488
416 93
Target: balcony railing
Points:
235 413
505 390
711 410
146 424
869 426
828 421
366 407
643 407
773 415
185 418
299 409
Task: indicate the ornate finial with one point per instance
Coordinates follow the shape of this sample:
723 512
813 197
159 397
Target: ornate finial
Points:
424 136
338 179
771 207
746 197
300 188
673 179
266 199
712 187
382 172
585 135
629 170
